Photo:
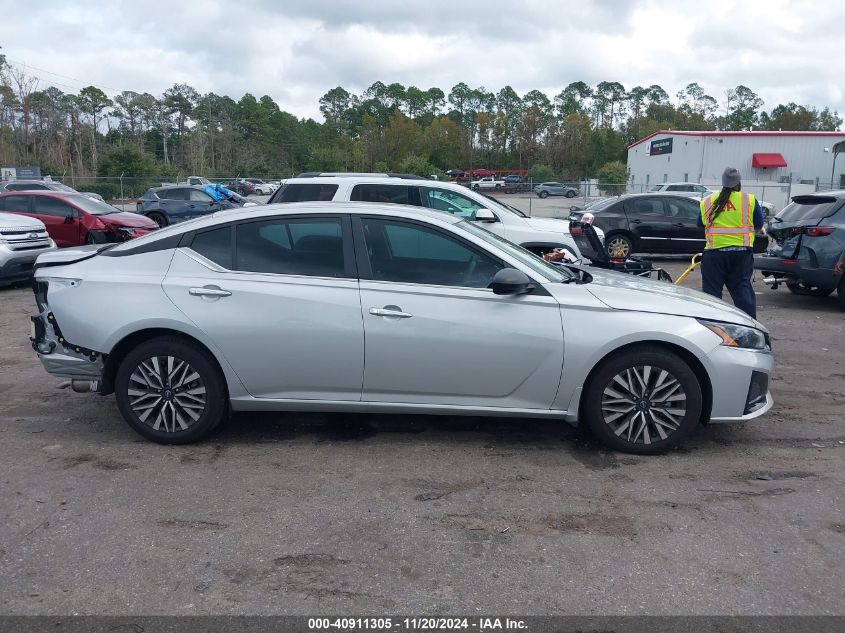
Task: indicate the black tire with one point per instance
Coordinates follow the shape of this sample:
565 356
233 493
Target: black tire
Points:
571 194
475 187
645 420
543 194
798 288
619 245
498 186
144 369
158 218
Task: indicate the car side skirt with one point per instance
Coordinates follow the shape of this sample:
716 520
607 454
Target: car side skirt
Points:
246 403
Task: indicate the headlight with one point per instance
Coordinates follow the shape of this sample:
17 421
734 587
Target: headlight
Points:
738 335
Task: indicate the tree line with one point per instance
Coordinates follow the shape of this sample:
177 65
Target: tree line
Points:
388 127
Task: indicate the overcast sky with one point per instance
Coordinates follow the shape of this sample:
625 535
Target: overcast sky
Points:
296 50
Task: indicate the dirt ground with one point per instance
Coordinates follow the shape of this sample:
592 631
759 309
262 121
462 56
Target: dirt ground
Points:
317 514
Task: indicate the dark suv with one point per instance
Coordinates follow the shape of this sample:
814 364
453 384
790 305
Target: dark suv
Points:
647 223
168 205
807 246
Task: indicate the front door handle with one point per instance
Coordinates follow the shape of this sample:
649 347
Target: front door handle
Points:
680 225
390 311
209 291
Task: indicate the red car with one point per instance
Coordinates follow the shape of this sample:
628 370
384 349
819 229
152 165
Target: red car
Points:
73 219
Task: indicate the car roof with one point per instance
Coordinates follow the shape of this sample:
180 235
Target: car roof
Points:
291 208
375 179
52 193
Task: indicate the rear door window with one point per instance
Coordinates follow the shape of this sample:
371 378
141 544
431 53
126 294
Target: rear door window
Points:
683 209
291 246
15 203
645 206
174 194
310 192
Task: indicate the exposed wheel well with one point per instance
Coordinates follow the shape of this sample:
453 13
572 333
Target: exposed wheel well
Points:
130 342
686 355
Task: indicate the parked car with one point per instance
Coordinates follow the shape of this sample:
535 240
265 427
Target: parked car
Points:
455 320
262 188
176 203
546 189
807 246
73 219
239 186
691 187
45 185
22 240
659 222
512 178
489 182
538 235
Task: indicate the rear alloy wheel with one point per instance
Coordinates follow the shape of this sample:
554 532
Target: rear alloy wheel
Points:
543 194
170 391
158 218
642 401
798 288
619 246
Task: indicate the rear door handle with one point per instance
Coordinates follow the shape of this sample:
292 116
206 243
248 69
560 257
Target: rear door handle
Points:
636 221
209 291
389 312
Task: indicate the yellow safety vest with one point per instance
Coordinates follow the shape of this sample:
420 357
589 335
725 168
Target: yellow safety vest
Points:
734 226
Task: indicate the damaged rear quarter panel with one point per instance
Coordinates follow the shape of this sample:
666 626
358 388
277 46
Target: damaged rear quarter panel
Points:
119 296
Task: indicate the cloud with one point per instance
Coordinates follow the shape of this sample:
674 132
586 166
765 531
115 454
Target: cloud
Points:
297 50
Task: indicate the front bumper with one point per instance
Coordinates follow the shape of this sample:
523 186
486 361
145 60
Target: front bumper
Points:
740 380
17 265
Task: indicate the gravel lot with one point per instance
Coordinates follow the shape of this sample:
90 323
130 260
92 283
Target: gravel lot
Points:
316 514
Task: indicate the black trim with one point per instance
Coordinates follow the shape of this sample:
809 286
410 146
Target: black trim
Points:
390 174
365 269
165 243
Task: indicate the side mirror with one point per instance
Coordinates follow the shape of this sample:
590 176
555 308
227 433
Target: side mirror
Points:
510 281
485 215
68 219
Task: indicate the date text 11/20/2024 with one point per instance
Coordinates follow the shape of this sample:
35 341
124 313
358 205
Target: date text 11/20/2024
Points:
416 624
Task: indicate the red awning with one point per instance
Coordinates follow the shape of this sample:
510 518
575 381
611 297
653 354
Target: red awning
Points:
762 161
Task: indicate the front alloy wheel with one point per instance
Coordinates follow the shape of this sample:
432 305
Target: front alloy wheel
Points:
642 400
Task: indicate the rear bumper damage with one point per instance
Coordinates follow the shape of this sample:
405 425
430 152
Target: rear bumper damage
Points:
59 356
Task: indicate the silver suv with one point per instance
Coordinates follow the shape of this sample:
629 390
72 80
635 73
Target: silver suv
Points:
22 240
538 235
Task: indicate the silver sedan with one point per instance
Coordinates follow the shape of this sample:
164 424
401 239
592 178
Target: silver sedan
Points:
386 308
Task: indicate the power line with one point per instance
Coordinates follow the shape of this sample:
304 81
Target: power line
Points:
79 81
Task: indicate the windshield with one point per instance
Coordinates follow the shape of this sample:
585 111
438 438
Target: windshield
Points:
505 207
94 207
805 208
536 264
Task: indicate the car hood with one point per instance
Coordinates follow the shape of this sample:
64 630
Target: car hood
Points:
12 222
554 225
128 219
627 292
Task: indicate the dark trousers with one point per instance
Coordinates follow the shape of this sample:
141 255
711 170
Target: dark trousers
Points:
732 269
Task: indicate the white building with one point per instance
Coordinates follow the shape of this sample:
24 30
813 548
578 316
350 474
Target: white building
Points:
774 165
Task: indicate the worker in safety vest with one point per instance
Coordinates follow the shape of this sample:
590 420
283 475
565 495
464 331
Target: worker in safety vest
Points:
730 219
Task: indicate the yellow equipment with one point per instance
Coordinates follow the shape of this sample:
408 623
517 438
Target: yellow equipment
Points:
695 263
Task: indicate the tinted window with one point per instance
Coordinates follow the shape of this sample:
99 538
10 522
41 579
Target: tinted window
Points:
684 209
174 194
215 245
305 193
16 203
94 207
645 206
677 188
311 247
199 196
410 253
52 206
449 201
391 194
25 187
